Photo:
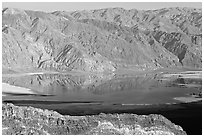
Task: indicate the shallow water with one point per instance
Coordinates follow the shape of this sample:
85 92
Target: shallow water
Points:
149 93
153 88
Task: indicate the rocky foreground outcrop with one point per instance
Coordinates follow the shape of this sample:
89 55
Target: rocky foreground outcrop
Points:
101 40
29 120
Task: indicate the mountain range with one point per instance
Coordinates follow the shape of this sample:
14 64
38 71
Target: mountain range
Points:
102 40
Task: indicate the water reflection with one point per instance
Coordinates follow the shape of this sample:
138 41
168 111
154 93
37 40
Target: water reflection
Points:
152 88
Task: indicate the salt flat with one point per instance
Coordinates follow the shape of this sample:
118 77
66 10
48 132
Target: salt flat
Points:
6 88
188 99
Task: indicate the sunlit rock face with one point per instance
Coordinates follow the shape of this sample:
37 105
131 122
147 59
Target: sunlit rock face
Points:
28 121
101 40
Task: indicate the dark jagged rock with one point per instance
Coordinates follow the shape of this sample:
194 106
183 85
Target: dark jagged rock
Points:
101 40
28 120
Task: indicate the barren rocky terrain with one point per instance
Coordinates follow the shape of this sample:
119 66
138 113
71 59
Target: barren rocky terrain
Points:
32 121
101 40
96 42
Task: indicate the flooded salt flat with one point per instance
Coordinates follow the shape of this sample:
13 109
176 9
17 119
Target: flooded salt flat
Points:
126 89
177 96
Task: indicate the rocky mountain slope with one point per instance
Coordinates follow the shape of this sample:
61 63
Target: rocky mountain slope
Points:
101 40
32 121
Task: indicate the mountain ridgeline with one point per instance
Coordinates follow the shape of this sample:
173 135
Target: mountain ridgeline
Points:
103 40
